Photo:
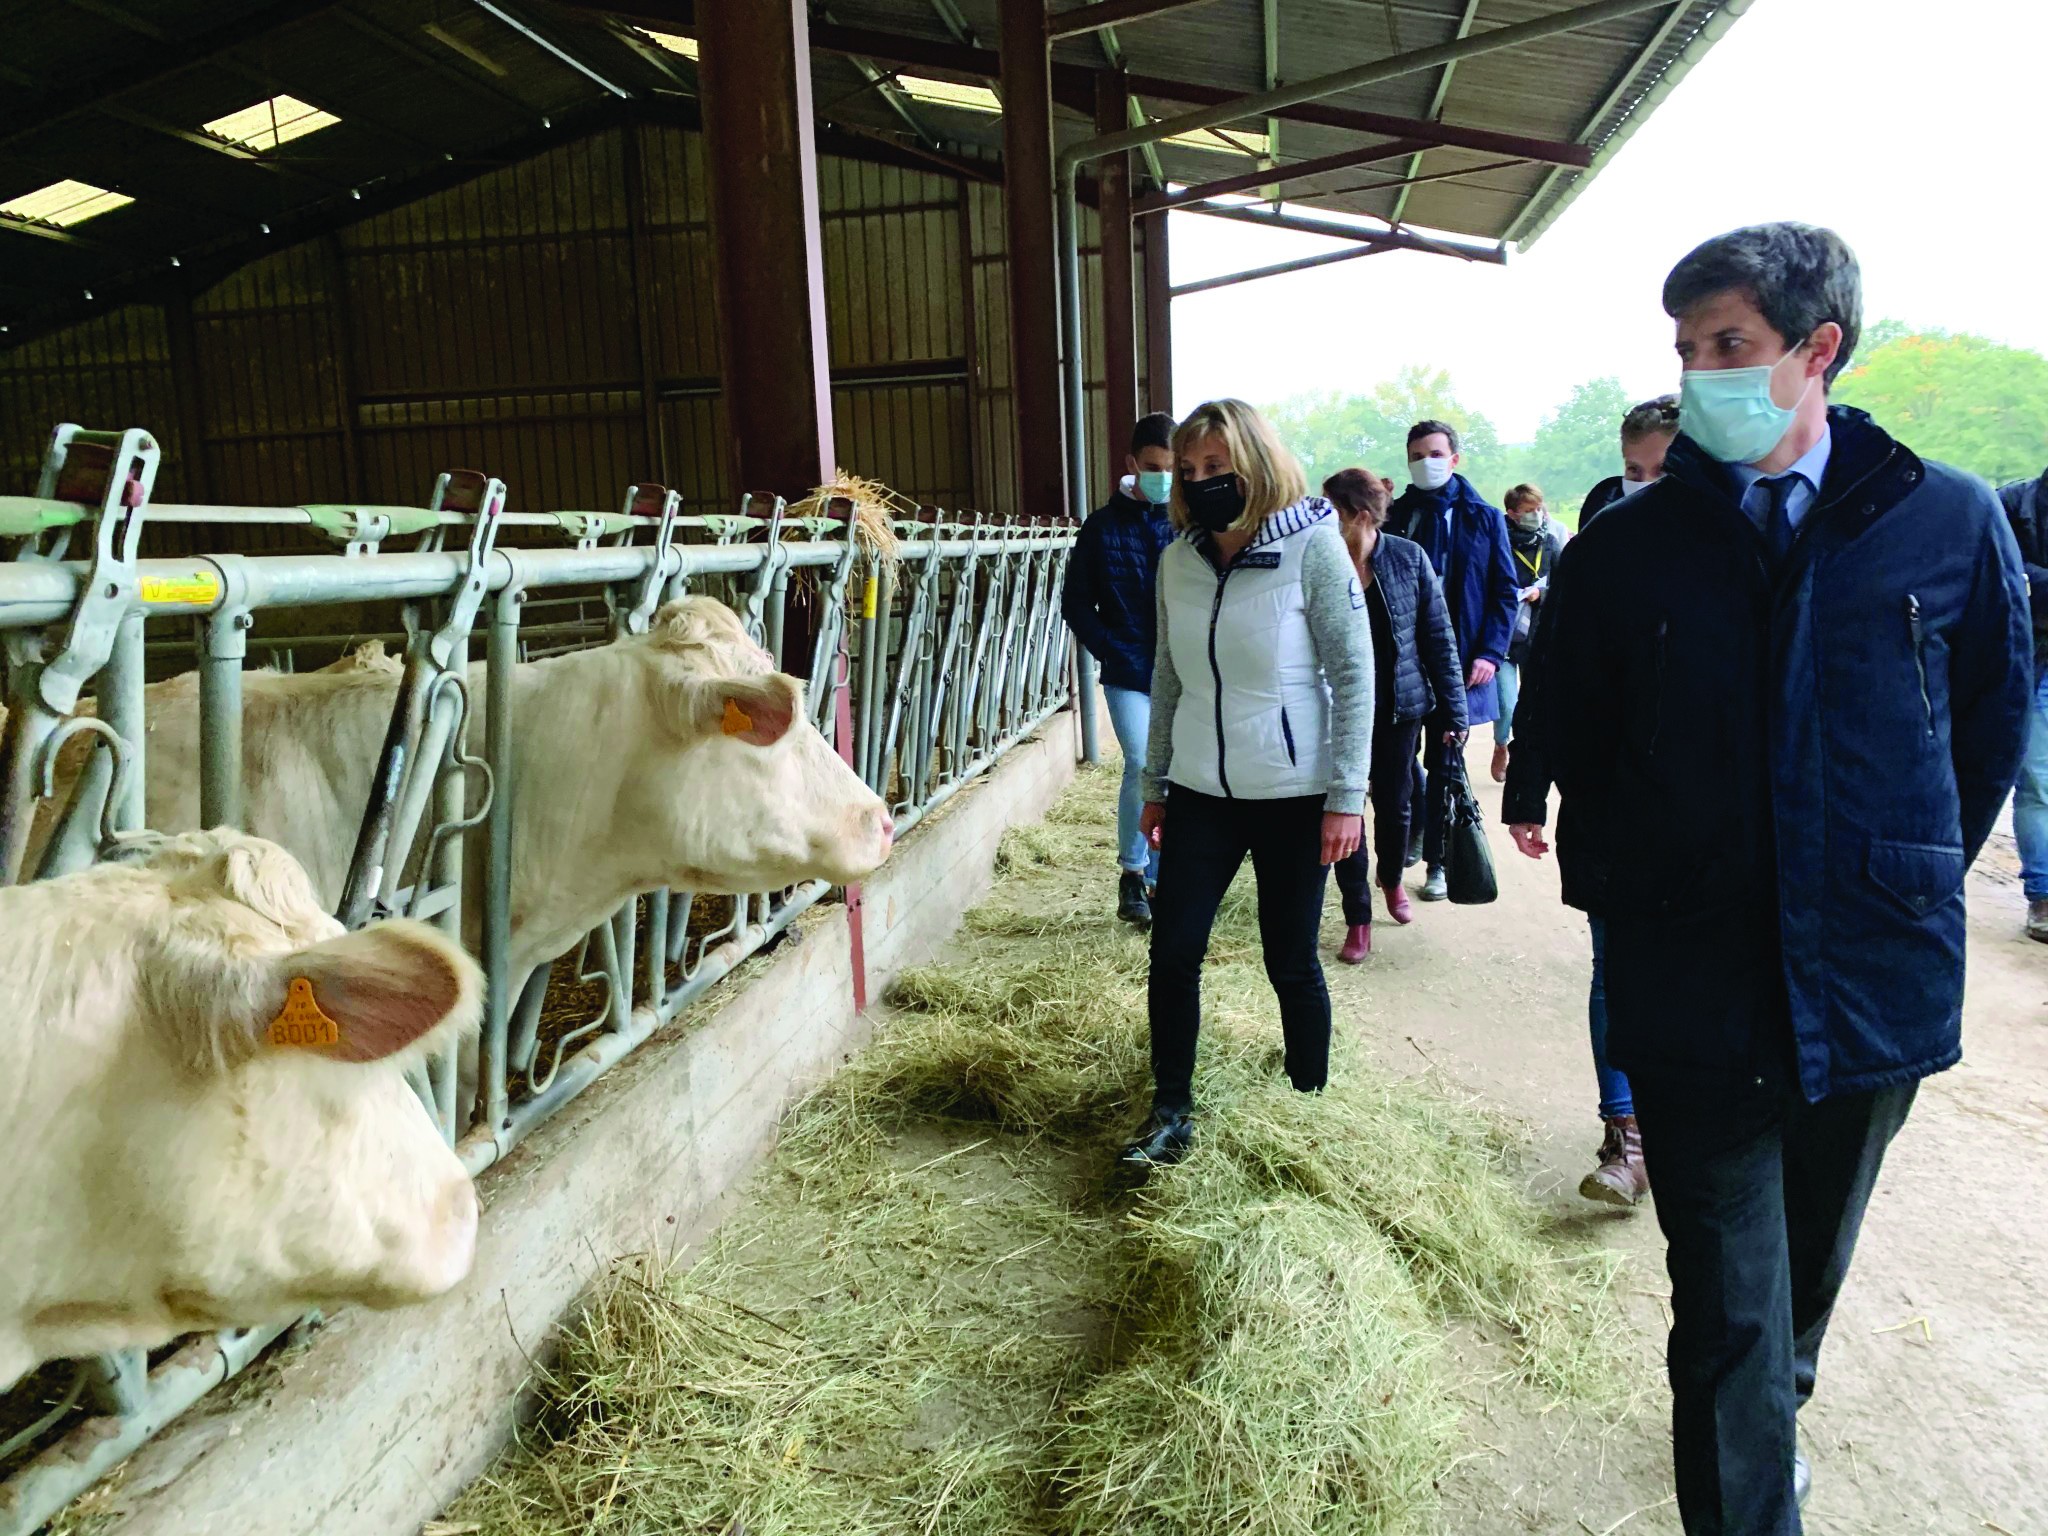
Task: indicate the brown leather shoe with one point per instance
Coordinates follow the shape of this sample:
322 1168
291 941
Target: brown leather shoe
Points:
1500 764
1357 944
1621 1178
1399 907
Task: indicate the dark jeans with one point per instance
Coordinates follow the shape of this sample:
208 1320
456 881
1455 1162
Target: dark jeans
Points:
1201 847
1393 801
1760 1196
1615 1098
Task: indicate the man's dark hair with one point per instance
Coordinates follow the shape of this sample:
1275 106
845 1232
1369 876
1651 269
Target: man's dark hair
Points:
1798 276
1650 418
1427 426
1154 431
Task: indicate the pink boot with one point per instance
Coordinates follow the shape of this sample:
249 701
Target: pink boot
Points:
1399 908
1357 944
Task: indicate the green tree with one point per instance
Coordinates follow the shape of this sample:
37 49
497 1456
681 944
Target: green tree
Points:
1963 399
1579 444
1331 431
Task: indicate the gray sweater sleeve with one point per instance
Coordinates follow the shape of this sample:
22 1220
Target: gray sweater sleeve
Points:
1335 605
1165 700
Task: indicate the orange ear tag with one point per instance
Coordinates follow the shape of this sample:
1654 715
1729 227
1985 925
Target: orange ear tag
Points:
737 721
302 1022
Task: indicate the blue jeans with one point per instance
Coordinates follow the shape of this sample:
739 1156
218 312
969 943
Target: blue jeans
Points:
1508 680
2030 798
1615 1097
1130 717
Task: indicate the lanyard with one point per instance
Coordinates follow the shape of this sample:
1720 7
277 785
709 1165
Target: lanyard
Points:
1535 566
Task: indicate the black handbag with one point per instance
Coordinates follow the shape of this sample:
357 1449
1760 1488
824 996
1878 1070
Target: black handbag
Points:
1468 862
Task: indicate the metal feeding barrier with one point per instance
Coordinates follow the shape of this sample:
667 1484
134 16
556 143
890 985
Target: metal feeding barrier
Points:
951 654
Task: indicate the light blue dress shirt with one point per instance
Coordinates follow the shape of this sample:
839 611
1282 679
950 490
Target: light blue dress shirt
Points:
1811 466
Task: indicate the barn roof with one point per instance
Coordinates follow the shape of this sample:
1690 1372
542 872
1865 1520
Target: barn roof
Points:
145 142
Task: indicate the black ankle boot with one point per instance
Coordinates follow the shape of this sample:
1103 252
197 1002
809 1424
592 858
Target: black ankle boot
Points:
1131 904
1164 1140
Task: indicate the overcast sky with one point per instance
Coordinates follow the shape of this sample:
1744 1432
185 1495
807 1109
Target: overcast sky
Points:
1918 132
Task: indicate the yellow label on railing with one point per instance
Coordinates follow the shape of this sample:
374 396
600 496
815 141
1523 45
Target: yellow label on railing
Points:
200 587
867 598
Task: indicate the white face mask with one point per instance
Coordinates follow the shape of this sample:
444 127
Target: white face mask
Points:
1630 487
1429 474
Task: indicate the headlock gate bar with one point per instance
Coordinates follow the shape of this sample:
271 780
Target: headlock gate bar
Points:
935 643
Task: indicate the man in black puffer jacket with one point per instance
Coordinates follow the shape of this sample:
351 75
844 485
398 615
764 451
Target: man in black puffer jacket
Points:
1108 602
2026 508
1418 685
1781 692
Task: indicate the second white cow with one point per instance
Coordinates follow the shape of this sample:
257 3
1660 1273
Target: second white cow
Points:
681 758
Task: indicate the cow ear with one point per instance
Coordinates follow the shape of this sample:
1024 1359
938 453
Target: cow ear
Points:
759 710
373 994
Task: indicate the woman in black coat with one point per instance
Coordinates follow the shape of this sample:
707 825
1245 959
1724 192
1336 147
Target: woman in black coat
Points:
1417 678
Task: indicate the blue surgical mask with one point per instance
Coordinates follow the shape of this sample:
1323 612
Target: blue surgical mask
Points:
1729 412
1155 486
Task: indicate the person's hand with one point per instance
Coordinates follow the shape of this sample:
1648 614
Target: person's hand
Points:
1456 737
1341 836
1531 594
1151 820
1528 836
1481 673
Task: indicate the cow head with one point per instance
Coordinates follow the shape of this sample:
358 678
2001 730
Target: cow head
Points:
760 801
213 1126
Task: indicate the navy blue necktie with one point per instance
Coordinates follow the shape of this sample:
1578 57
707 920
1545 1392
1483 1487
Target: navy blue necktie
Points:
1778 515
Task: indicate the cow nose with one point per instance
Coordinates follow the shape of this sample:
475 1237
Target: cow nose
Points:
888 831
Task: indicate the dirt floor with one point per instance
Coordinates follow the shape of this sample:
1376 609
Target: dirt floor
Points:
1932 1410
1932 1415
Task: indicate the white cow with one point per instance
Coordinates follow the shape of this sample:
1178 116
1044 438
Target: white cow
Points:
680 758
172 1157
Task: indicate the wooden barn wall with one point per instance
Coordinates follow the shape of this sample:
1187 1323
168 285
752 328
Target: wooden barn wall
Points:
553 323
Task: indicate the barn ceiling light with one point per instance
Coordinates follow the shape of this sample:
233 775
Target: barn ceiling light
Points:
949 93
64 203
270 123
674 42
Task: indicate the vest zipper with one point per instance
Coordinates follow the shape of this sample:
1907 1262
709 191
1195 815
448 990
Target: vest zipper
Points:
1216 672
1287 733
1918 631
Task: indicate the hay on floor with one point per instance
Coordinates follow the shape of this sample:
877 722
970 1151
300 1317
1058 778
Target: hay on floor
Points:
939 1309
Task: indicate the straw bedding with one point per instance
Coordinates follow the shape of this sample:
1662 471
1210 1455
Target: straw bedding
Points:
939 1309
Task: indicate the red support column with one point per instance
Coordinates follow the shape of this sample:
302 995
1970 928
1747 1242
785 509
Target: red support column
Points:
1158 316
754 79
1119 312
1029 227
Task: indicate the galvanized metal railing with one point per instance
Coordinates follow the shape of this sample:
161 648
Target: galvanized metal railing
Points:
952 653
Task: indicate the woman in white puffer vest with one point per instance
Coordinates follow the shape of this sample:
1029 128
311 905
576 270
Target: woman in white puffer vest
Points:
1261 735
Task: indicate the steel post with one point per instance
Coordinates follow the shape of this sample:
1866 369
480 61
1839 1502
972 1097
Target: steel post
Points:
501 658
223 643
121 706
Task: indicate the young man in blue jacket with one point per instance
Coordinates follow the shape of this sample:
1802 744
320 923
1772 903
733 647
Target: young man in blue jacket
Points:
2026 508
1781 693
1108 603
1466 538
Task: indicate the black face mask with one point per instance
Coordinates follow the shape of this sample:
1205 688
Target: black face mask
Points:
1214 504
